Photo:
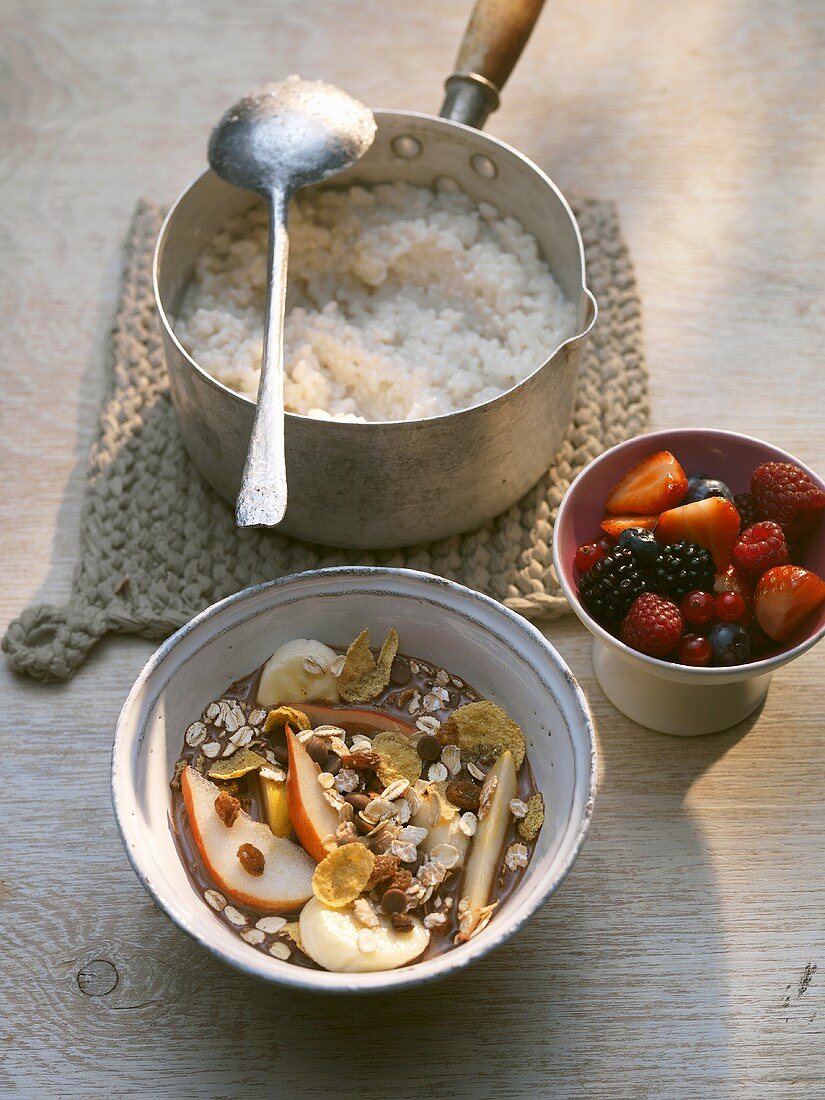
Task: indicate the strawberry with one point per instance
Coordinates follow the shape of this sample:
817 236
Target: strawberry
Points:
760 548
653 625
785 596
614 525
654 484
712 523
783 492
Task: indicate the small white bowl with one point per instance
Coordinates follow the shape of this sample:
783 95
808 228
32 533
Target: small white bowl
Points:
660 695
474 637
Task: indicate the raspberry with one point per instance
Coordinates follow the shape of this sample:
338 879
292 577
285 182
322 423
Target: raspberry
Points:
784 493
653 625
745 505
760 547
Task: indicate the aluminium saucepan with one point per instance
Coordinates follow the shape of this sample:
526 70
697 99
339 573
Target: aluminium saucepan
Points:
393 483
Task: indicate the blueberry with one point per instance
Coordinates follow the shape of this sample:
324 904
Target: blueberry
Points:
731 644
642 545
701 487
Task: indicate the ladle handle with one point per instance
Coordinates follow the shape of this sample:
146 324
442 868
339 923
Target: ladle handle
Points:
493 41
262 499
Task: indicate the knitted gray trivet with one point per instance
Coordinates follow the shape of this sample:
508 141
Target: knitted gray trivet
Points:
157 545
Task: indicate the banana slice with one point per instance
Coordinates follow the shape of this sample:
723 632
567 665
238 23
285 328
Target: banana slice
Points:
337 941
298 671
440 818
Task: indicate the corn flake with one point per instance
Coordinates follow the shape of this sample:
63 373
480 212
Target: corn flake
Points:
362 677
483 732
281 715
399 758
238 764
533 820
341 876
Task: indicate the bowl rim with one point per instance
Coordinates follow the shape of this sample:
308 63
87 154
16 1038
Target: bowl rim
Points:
583 329
658 665
123 797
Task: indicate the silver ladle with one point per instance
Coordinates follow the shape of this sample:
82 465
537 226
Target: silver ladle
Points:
279 138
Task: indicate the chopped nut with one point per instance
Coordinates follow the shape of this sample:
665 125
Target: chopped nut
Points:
326 780
343 874
468 823
293 932
483 731
361 758
383 870
437 773
530 825
518 808
227 808
362 677
251 859
401 922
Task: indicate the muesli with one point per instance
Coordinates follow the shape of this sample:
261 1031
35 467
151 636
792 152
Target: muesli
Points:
354 810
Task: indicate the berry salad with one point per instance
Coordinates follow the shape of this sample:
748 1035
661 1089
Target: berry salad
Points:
687 570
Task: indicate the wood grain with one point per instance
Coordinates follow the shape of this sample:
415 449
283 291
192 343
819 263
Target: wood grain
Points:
681 956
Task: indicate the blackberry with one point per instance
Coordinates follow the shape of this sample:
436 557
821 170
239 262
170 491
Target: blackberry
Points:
610 586
681 567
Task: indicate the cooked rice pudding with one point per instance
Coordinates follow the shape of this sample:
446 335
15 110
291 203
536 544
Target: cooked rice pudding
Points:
403 303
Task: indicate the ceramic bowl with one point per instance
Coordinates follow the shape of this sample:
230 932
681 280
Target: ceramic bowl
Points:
662 696
474 637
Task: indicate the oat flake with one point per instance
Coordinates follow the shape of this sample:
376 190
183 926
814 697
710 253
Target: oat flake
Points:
270 924
279 950
214 899
211 749
253 936
518 808
437 773
367 941
468 823
234 916
196 734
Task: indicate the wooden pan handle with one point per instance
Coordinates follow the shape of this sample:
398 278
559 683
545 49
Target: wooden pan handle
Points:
493 41
495 37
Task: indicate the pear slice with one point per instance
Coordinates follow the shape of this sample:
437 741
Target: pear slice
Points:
299 670
486 853
335 939
312 817
286 882
275 805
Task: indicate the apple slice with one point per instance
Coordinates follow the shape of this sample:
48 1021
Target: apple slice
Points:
440 818
486 854
334 939
297 671
286 882
275 805
312 817
354 720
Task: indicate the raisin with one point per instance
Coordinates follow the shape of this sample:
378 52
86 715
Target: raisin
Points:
464 793
251 859
227 807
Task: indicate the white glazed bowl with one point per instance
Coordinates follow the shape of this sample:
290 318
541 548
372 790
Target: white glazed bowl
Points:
663 696
471 635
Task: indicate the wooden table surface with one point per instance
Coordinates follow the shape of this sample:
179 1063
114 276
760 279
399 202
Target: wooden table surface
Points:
680 958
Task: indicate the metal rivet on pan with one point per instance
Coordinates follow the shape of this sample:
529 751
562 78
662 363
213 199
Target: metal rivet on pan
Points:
484 166
406 146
